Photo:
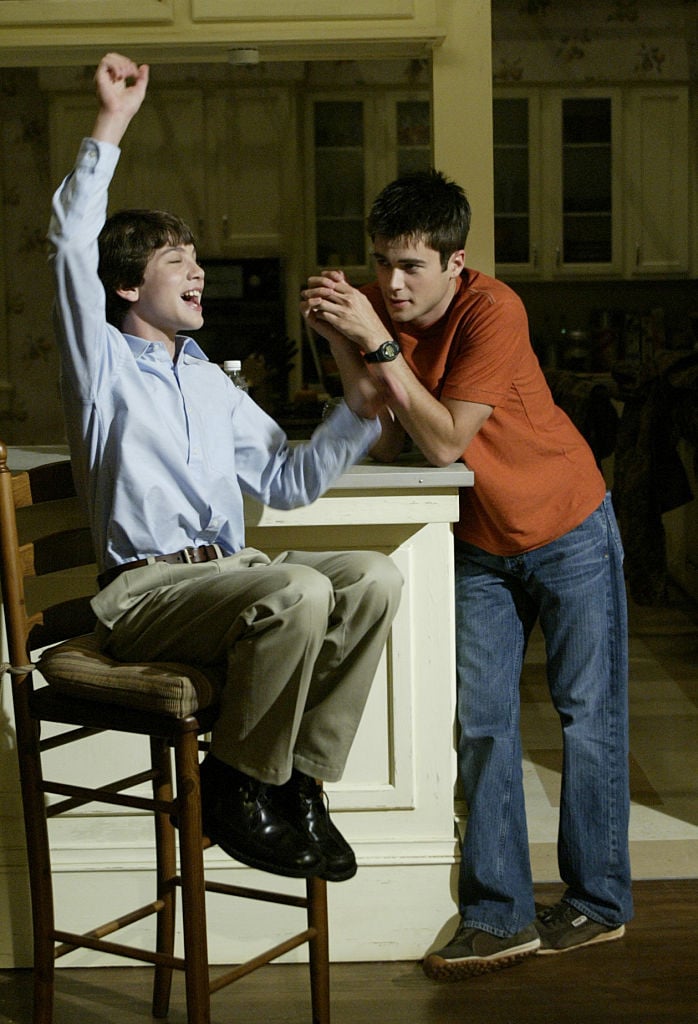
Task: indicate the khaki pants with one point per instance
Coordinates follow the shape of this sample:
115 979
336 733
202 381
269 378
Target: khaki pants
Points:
300 638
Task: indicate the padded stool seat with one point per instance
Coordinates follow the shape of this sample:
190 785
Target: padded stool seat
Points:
78 668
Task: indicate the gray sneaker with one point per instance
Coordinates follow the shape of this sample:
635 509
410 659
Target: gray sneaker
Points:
472 951
562 928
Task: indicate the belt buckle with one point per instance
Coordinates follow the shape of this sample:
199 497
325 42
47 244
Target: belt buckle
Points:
187 553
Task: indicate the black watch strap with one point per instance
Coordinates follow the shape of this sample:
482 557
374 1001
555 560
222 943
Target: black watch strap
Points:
385 353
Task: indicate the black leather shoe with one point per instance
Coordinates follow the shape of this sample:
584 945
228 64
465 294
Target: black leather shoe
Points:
239 815
302 801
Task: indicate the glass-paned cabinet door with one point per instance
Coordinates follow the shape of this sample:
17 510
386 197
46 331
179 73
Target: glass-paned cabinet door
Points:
412 136
585 192
357 146
516 226
340 190
587 184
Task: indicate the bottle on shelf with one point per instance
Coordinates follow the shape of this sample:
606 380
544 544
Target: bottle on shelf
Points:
233 369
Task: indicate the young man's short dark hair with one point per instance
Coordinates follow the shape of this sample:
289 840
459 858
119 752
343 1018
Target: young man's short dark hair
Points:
425 206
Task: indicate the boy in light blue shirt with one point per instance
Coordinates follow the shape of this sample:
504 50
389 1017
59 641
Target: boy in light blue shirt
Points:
163 447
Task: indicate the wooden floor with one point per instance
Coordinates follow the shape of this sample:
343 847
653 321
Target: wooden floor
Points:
650 976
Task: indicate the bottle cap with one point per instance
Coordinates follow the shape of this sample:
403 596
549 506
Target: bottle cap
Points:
231 365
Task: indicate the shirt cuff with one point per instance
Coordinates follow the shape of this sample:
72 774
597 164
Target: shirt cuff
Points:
94 154
344 423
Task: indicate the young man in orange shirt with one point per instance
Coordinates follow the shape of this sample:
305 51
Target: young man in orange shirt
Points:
536 540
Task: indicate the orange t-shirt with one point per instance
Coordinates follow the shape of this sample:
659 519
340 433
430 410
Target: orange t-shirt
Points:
535 475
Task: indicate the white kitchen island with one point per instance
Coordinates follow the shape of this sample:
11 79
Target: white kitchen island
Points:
395 803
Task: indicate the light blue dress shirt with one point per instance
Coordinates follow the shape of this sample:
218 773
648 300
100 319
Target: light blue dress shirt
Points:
163 451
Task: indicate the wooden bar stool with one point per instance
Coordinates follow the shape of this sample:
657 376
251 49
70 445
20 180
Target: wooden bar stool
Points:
48 575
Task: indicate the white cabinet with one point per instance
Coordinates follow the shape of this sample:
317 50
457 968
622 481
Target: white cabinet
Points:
581 182
517 188
161 165
592 182
356 144
216 158
557 183
250 160
39 13
60 12
656 181
327 10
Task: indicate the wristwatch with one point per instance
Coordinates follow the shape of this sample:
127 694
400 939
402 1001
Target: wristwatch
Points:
385 353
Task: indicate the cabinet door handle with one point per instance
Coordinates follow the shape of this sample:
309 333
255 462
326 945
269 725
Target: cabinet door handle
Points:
534 256
558 258
638 253
225 226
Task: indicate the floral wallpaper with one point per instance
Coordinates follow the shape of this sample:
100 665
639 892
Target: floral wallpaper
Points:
32 413
535 41
617 40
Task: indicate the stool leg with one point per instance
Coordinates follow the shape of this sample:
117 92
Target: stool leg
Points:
319 951
43 923
40 880
166 869
193 889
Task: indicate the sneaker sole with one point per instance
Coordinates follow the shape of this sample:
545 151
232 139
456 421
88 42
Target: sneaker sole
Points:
616 933
439 969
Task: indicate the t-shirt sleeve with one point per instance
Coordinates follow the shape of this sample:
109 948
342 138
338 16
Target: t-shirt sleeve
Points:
488 346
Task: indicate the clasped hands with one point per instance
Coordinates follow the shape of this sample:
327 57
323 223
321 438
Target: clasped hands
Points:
345 317
336 310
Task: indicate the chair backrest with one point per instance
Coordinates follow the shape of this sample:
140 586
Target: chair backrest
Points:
47 564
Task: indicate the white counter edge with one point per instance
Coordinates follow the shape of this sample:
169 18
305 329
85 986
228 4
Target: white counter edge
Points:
407 474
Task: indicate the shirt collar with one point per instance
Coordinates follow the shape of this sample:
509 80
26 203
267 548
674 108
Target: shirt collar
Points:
185 347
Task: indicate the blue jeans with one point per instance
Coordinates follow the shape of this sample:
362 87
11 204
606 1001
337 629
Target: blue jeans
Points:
575 587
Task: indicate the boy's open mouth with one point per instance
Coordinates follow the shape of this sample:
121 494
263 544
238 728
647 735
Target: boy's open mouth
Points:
193 298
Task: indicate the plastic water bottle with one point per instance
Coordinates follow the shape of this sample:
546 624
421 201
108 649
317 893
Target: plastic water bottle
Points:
233 369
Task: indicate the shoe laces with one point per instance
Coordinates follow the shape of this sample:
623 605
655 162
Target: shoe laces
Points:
463 930
308 789
557 913
256 791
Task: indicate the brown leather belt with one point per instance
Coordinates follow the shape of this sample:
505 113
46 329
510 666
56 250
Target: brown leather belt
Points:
187 556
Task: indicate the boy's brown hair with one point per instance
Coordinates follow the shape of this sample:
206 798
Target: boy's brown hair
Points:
126 242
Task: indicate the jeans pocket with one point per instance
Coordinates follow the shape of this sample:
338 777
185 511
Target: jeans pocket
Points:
612 524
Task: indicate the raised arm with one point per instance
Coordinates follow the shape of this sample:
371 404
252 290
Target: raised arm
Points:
121 86
78 213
